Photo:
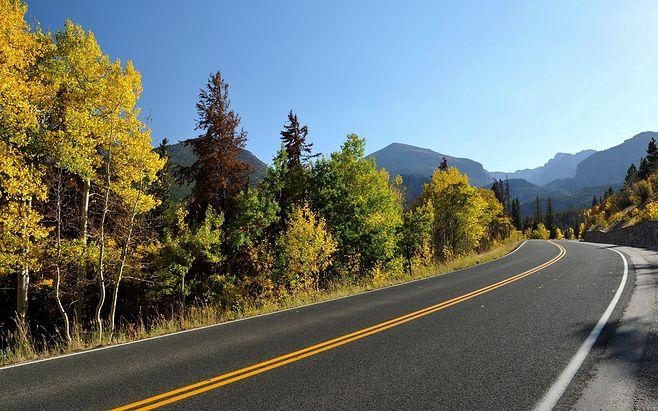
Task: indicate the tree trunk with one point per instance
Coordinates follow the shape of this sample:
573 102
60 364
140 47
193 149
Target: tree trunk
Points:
22 285
84 235
67 325
101 255
21 298
58 278
124 255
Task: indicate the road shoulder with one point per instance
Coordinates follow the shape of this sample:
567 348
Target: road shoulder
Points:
624 377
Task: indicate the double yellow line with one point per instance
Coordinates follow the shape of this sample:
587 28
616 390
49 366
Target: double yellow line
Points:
243 373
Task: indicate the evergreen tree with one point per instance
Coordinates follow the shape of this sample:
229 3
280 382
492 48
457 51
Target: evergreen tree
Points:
538 216
498 188
516 213
549 219
595 201
631 175
444 164
296 172
162 215
218 173
652 154
507 204
293 137
649 164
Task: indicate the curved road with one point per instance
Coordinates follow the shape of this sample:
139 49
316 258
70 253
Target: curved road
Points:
494 336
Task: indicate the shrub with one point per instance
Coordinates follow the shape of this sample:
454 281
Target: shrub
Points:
540 233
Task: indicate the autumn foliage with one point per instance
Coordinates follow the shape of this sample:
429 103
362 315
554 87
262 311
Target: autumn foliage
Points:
92 238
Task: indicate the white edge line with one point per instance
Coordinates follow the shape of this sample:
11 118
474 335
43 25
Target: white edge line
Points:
57 357
560 385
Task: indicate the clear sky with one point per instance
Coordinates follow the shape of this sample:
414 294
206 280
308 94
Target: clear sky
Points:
507 84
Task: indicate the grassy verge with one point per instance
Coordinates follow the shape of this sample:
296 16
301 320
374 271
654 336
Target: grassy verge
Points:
194 317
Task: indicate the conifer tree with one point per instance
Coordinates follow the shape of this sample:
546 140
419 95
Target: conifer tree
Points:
649 164
507 204
218 173
163 214
294 140
296 170
631 175
444 164
538 216
549 219
516 214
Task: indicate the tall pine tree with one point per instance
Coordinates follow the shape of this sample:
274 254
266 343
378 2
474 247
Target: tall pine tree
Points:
218 173
549 219
538 217
649 164
516 214
296 170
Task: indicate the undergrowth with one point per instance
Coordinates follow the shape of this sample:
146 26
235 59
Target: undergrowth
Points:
21 347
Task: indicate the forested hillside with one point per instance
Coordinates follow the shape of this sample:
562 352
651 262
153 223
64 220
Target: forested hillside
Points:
636 201
96 249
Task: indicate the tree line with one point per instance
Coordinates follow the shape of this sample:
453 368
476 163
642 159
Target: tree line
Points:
92 239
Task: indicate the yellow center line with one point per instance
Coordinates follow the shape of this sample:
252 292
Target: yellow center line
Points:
276 362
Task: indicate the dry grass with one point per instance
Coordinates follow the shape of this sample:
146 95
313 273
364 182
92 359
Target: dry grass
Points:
193 317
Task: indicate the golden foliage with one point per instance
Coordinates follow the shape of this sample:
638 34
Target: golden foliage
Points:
306 249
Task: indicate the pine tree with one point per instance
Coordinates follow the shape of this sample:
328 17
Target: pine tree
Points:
296 170
218 173
549 219
162 215
516 213
508 198
444 164
649 164
538 216
631 175
652 153
499 190
595 201
294 140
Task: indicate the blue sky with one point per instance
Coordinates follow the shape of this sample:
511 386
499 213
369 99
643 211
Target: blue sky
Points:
507 84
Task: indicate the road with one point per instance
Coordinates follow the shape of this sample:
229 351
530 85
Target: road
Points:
494 336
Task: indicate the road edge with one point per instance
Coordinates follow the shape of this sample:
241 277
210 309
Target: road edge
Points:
615 383
557 389
220 324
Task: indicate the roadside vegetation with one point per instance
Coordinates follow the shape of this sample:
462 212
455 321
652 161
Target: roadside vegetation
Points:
637 201
98 250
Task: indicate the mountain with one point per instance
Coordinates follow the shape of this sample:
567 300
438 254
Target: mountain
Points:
563 165
408 160
609 166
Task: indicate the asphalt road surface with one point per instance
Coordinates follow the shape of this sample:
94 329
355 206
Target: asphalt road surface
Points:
495 336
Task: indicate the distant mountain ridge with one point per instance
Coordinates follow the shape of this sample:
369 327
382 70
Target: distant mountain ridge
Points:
563 165
569 179
610 166
407 160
